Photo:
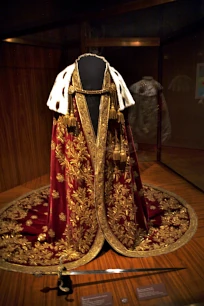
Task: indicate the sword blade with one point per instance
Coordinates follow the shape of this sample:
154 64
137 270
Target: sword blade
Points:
117 271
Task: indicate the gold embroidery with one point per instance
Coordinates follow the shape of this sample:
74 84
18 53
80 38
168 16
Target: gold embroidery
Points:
44 228
9 226
118 198
51 233
72 90
17 214
53 145
34 217
29 222
42 237
17 249
120 204
55 194
85 118
68 250
62 217
59 155
61 129
60 177
77 170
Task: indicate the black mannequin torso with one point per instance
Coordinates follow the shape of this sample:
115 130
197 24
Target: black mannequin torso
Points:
91 70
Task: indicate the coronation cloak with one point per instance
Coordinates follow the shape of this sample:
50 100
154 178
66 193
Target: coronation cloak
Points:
96 191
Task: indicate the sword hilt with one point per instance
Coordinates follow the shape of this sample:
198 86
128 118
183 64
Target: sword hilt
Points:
64 283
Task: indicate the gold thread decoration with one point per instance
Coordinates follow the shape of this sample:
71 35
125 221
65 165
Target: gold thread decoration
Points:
120 117
112 112
113 100
66 119
72 120
123 155
116 151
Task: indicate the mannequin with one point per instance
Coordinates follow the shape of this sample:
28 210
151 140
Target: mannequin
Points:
143 117
92 70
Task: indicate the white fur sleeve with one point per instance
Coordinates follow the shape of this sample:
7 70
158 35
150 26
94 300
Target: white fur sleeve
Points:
125 98
58 98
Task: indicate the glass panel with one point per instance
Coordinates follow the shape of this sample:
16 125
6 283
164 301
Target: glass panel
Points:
183 81
134 68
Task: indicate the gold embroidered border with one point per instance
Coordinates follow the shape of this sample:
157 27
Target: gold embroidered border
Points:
53 269
100 154
85 117
99 173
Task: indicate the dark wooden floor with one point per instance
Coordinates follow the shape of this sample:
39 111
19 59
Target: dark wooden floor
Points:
185 287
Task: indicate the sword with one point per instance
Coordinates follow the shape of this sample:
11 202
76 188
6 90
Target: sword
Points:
65 283
116 271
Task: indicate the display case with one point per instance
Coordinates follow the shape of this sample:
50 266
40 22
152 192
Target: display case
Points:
183 82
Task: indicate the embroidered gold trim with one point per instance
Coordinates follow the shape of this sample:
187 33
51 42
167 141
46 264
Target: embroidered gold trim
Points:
73 90
85 117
